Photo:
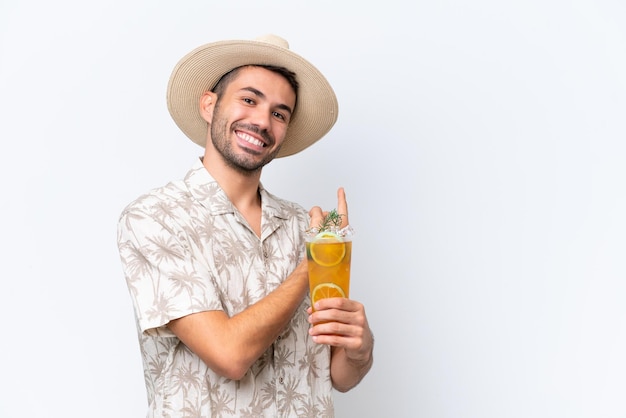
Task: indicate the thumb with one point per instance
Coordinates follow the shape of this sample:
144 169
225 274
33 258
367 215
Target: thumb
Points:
316 216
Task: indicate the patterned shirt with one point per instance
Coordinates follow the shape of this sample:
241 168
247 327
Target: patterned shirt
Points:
184 249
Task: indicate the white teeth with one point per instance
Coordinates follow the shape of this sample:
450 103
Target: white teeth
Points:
251 139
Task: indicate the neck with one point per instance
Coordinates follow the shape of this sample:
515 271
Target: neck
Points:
242 189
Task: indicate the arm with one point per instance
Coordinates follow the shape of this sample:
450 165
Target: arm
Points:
237 342
156 264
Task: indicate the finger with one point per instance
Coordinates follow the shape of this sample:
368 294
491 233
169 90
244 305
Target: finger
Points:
316 216
342 206
340 304
333 340
337 329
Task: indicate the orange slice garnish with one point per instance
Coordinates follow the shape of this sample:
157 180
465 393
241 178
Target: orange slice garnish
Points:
328 249
326 290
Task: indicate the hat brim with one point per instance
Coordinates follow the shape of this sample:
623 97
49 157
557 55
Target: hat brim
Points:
197 72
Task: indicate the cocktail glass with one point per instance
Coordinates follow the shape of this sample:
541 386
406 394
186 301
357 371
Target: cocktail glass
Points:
329 253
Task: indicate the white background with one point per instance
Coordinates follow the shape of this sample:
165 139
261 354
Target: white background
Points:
482 147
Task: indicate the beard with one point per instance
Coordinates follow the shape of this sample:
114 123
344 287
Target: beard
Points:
246 163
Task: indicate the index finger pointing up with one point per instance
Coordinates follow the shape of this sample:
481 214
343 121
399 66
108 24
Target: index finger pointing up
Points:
342 206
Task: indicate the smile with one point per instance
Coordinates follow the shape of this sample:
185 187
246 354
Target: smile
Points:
250 139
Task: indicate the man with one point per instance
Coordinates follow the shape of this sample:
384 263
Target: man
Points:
215 264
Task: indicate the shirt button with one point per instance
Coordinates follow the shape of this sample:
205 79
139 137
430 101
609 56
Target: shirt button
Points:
281 380
280 337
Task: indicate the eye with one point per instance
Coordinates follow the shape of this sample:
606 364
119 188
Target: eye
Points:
248 100
279 115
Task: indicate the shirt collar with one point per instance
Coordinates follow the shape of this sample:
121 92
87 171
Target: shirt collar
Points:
205 189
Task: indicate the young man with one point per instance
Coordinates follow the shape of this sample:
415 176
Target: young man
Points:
215 264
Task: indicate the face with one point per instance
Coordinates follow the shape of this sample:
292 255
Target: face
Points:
251 117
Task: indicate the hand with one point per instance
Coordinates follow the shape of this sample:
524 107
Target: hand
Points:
317 215
342 323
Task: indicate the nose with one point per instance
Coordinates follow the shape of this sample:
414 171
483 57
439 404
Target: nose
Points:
261 117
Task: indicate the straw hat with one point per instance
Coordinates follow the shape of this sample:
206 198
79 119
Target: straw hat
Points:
197 72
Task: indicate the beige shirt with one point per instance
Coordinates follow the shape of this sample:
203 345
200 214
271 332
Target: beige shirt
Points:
185 249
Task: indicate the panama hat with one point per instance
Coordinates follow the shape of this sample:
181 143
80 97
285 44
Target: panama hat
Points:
197 72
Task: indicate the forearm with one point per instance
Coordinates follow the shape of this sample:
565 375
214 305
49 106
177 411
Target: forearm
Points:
257 327
230 345
345 372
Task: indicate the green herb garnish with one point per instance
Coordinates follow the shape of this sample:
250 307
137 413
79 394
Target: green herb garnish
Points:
331 221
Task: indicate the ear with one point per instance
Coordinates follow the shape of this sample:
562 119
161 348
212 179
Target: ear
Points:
207 104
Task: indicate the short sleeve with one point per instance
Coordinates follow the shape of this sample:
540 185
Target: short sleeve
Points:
165 279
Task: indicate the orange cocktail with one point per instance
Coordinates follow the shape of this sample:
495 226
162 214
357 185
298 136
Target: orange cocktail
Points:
328 258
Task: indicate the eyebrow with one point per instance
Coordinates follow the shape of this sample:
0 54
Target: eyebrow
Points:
260 94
